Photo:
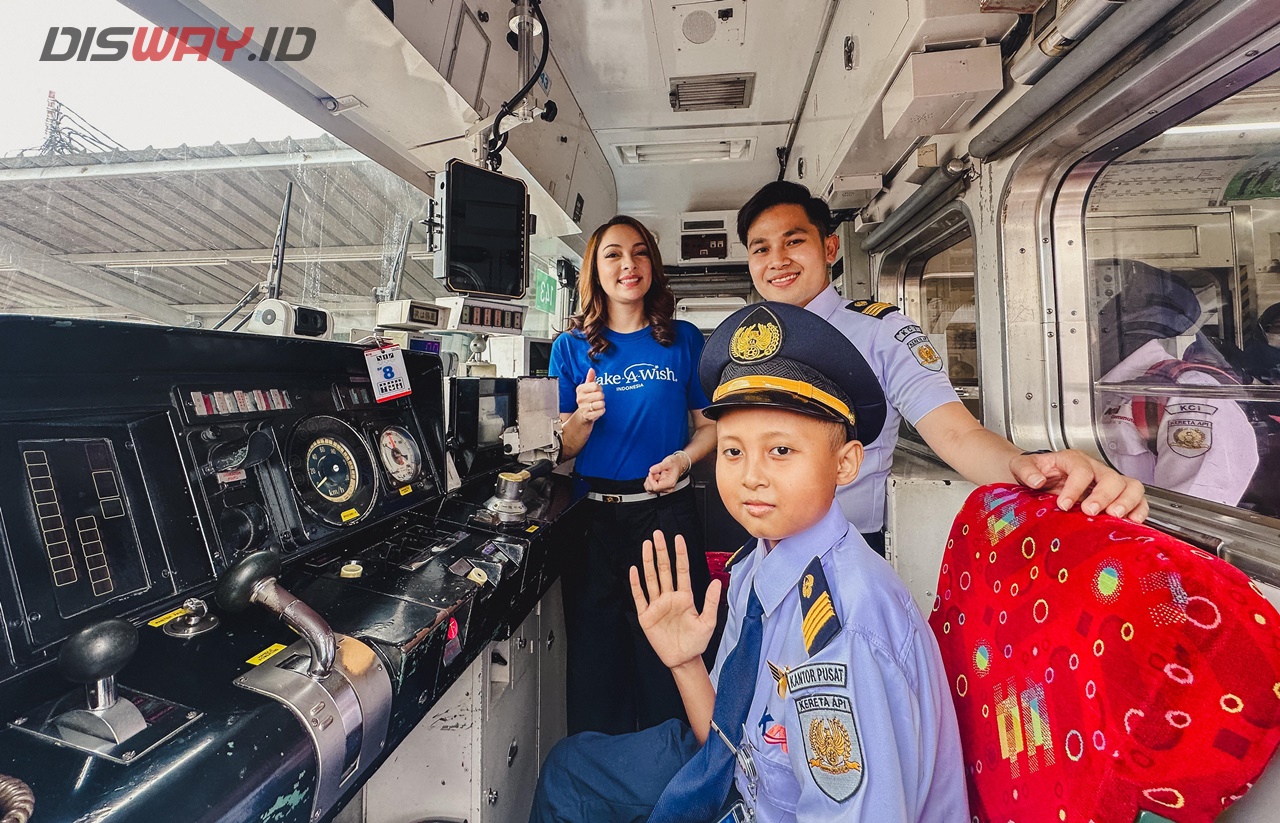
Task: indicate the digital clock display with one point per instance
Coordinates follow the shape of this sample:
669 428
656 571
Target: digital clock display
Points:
424 314
714 246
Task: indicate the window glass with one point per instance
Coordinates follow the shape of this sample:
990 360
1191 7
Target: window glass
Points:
1183 246
942 300
152 191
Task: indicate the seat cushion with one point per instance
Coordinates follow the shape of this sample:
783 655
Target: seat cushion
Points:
1101 668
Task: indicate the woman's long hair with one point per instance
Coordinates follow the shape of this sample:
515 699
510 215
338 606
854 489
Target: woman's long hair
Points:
659 302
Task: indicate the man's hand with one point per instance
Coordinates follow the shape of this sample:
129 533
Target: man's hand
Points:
1070 473
671 622
663 476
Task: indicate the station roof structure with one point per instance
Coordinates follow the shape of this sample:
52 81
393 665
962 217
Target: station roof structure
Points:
176 235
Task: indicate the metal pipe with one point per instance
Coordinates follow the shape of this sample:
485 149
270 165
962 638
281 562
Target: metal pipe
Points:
101 694
933 188
784 151
1109 39
304 620
1066 32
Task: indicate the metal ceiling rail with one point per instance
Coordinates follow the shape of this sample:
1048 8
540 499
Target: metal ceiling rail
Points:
186 165
938 184
1095 52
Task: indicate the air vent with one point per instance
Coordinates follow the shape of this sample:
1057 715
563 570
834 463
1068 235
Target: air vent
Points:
710 92
699 27
687 151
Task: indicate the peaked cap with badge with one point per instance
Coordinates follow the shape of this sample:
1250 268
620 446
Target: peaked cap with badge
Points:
775 354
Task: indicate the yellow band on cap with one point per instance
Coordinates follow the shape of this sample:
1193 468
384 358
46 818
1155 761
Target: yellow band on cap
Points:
760 381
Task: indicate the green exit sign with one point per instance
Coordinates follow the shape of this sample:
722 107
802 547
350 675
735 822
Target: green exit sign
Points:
544 294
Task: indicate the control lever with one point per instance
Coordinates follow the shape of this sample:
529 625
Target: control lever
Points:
254 451
93 656
507 503
17 801
253 580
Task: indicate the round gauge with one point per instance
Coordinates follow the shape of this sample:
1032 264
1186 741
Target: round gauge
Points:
332 470
400 455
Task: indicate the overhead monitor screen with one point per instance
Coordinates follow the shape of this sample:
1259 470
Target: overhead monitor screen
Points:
485 247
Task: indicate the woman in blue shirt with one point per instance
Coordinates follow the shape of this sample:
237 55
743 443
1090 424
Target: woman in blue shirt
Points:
628 381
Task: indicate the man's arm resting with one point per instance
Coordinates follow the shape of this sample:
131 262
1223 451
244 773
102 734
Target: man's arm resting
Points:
982 457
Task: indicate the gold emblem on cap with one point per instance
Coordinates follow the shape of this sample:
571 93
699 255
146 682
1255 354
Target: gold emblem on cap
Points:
755 342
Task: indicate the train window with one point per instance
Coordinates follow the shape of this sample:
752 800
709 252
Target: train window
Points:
1182 235
152 191
940 295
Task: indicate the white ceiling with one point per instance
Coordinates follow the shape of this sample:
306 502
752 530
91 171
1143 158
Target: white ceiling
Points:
619 56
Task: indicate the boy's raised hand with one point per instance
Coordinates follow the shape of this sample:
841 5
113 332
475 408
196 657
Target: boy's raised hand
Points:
671 622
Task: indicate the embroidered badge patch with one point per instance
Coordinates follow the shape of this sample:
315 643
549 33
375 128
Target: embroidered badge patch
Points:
777 736
757 338
914 338
1190 438
832 749
813 675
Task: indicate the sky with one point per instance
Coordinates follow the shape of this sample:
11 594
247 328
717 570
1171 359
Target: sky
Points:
137 104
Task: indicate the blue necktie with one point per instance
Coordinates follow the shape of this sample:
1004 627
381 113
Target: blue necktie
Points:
699 789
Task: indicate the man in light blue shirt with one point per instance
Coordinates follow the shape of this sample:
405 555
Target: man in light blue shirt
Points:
790 249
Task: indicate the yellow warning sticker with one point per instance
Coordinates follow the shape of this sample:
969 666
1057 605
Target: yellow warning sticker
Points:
405 490
165 618
350 514
531 529
266 654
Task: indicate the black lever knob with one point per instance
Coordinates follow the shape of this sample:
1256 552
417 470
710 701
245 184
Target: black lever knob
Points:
235 587
540 468
98 651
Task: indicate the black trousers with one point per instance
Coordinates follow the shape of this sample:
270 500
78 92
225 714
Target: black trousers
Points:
616 683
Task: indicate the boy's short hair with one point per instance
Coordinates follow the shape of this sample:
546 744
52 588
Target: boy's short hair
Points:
784 192
839 434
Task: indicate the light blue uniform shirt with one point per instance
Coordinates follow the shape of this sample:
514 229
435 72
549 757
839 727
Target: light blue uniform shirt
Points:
914 385
902 734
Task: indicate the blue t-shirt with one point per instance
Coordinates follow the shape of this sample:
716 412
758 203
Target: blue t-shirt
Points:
649 389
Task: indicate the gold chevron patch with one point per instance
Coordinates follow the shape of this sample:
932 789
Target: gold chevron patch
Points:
819 613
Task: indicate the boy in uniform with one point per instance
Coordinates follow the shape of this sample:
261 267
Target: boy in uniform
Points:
828 700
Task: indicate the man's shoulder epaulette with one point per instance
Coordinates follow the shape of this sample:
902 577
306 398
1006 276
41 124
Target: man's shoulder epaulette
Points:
820 622
740 554
876 310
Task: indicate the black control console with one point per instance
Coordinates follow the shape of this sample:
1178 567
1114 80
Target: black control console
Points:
233 580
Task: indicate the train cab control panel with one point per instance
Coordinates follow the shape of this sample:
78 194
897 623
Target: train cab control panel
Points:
234 581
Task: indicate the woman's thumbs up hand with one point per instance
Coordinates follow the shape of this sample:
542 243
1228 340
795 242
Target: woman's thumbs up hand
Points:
590 398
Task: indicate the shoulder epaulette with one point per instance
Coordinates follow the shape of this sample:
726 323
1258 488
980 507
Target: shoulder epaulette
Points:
876 310
820 622
740 554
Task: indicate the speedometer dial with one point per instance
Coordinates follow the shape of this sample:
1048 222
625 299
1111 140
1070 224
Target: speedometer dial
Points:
332 470
400 455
